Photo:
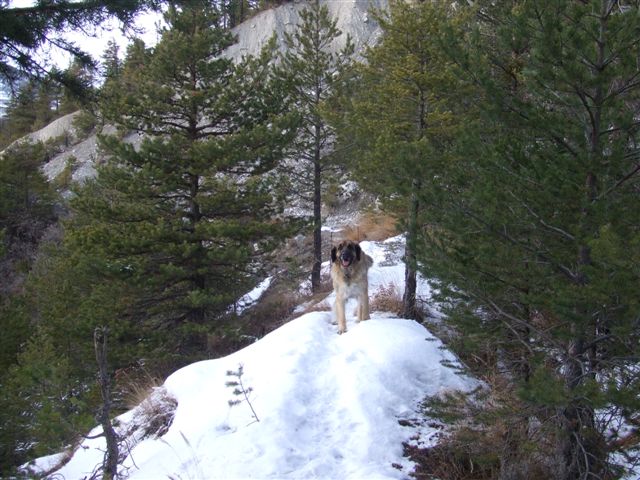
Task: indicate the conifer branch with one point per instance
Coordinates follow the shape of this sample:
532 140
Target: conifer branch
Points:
239 389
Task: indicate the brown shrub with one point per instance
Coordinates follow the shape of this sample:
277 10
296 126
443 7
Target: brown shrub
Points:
317 301
372 226
134 385
235 332
156 413
489 435
387 299
152 418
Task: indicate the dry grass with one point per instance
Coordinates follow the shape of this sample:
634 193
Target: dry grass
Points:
489 434
372 226
387 299
158 411
134 385
317 303
152 418
463 451
321 306
155 407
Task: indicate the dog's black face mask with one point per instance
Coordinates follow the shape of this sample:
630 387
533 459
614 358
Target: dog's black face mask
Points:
347 253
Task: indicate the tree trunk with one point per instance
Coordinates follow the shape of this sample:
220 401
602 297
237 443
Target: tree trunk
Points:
317 214
409 309
582 449
199 314
110 462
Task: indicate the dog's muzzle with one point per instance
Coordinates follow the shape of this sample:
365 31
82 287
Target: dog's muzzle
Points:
346 258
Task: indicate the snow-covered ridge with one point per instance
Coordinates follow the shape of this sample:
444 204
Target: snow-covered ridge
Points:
329 406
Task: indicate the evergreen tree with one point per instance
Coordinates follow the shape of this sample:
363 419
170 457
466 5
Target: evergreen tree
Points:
313 70
183 218
33 106
26 199
111 62
400 119
20 114
237 11
114 90
26 211
39 404
534 233
46 108
28 28
78 89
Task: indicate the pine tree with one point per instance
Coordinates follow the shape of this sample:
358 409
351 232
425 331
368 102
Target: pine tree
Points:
313 70
183 218
26 205
78 89
46 108
39 403
20 114
115 89
28 28
400 118
111 62
237 11
534 235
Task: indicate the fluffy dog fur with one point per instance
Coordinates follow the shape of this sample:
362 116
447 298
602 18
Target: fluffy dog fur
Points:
349 267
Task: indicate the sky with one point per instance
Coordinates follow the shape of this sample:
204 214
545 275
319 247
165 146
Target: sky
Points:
94 44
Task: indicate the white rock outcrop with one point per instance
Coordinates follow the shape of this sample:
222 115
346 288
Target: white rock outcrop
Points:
353 18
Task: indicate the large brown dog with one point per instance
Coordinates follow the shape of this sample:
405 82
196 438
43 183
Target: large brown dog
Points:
349 266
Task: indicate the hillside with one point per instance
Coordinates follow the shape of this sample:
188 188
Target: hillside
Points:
329 406
509 165
353 19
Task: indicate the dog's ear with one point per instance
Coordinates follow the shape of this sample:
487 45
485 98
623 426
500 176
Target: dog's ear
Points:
334 254
358 252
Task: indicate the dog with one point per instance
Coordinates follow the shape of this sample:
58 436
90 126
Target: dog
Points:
349 268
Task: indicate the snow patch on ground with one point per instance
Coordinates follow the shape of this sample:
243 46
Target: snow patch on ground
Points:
329 406
250 298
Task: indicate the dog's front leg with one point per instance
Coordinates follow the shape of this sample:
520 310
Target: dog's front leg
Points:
340 315
363 307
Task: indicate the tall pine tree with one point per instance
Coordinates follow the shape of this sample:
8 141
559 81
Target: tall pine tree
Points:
313 70
185 217
399 119
536 226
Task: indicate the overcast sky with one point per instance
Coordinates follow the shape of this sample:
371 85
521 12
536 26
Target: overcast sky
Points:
94 44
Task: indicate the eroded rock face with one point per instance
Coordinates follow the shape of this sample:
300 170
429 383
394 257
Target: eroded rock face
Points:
353 18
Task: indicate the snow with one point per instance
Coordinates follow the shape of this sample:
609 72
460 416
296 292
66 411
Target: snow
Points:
329 406
251 297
